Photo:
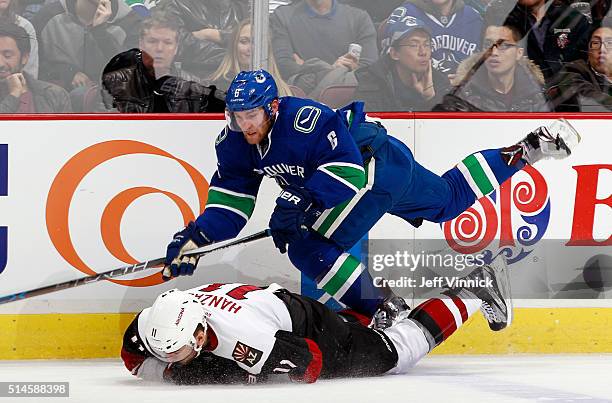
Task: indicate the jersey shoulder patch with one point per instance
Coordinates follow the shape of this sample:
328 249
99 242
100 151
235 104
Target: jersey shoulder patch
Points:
246 355
306 119
303 115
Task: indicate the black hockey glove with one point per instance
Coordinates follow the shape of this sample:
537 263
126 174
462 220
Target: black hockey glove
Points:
298 357
287 220
191 237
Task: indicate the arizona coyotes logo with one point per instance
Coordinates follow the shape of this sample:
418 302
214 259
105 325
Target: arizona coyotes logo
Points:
492 218
247 355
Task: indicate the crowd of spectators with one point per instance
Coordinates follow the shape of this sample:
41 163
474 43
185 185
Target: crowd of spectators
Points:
396 55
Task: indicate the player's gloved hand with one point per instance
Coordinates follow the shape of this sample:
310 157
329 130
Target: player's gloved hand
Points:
287 220
191 237
300 358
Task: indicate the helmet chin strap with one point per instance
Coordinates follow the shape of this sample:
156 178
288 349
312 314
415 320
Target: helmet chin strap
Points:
271 120
198 349
264 144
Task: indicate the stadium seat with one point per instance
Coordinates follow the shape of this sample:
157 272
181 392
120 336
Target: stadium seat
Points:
336 96
92 100
297 91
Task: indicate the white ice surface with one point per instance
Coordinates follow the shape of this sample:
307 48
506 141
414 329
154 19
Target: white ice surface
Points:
517 378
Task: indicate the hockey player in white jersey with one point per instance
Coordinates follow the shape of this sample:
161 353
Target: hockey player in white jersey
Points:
232 333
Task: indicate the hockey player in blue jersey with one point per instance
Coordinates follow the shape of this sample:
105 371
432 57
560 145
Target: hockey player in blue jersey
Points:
339 174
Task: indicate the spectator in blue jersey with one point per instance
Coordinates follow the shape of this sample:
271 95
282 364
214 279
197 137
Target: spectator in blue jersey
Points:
339 174
507 81
556 34
403 78
311 41
455 28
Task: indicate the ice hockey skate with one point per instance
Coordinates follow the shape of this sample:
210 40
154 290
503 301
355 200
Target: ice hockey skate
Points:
496 297
389 311
557 141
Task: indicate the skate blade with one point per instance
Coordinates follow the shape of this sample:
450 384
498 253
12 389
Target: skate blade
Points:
568 134
500 267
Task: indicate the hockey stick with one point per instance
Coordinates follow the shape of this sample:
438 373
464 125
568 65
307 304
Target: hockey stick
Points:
200 252
121 271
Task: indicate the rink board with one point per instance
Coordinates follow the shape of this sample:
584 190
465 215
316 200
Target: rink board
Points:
85 194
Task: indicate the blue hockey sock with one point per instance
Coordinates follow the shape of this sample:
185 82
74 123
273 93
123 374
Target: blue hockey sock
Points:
349 282
486 170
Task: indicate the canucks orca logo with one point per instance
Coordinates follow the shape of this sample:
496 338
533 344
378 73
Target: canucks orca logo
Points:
306 119
260 78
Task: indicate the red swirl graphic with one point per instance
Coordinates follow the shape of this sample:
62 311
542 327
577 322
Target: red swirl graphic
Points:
530 198
470 232
72 173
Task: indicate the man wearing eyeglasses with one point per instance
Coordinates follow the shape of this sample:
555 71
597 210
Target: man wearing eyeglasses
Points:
507 81
587 85
455 29
403 79
556 33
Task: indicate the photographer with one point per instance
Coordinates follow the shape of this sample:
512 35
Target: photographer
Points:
130 85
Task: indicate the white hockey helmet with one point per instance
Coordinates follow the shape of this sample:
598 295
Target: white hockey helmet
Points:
170 325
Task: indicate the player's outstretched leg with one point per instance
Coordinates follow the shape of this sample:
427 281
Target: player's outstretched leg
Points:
388 311
491 284
436 319
338 273
557 141
427 326
486 170
443 198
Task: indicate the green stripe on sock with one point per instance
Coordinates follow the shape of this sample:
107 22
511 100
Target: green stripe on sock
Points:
332 217
343 273
244 204
478 175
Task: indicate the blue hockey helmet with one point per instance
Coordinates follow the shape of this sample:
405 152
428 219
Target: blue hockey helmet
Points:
250 90
398 26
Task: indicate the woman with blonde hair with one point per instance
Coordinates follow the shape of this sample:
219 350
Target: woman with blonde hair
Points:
238 58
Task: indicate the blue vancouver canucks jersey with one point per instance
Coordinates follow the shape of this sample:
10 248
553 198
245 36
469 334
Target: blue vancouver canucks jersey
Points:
454 38
309 146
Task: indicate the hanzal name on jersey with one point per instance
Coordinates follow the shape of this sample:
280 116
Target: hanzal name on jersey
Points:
218 301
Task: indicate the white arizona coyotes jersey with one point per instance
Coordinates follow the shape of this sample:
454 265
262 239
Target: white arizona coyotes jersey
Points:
244 319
